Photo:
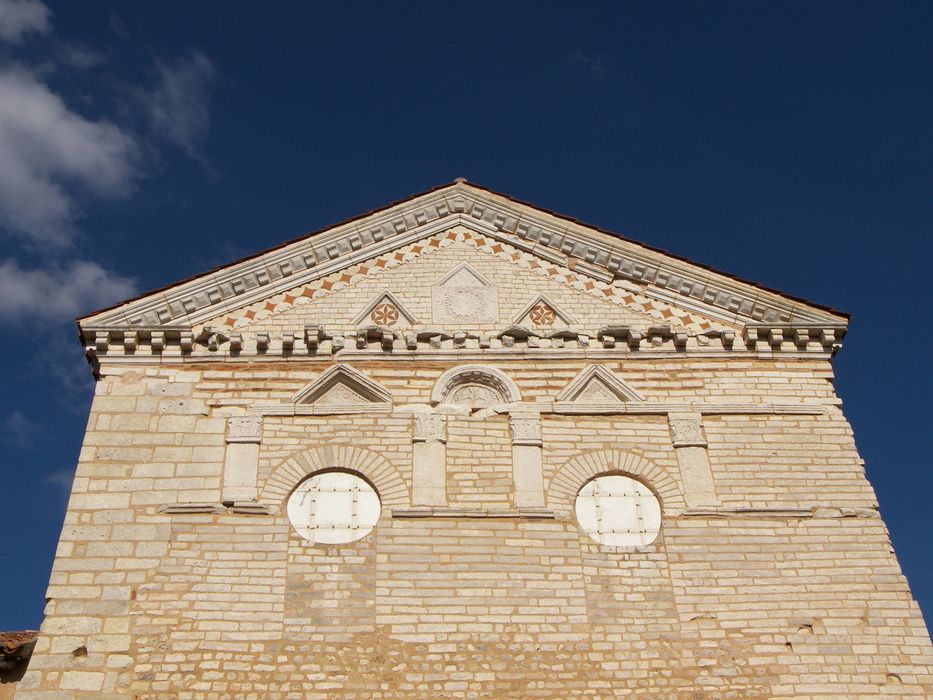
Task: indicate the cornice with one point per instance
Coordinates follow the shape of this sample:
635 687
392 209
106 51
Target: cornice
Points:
583 249
148 345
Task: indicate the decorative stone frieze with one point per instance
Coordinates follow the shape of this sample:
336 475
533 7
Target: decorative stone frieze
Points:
322 343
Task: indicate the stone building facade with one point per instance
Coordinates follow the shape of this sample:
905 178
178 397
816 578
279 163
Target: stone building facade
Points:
464 447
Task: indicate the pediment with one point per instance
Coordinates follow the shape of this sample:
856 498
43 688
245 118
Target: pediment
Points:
597 385
542 312
464 276
342 385
386 309
604 260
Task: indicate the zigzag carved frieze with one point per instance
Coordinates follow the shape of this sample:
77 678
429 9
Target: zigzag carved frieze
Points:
628 295
585 251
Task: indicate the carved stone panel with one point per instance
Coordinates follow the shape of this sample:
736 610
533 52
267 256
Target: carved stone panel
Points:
244 428
687 430
526 428
464 296
475 385
427 427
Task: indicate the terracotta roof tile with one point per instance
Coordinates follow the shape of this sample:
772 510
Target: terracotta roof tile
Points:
12 642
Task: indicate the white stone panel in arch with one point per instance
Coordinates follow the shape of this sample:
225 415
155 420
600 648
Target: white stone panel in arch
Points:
475 385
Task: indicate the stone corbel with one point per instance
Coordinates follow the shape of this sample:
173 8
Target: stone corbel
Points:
527 471
241 462
690 445
429 459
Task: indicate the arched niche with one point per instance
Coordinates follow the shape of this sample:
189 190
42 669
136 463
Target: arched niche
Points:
475 385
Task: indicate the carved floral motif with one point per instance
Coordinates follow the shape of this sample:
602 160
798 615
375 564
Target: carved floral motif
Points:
340 395
475 385
475 394
385 314
542 314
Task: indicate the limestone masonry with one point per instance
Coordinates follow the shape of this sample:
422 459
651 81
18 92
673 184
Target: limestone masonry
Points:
462 447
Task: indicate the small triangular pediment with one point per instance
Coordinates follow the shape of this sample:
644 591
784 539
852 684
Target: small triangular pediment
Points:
386 310
463 275
341 385
597 385
542 312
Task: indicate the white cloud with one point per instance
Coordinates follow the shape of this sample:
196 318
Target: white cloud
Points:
19 17
47 148
597 66
61 481
178 105
59 292
18 430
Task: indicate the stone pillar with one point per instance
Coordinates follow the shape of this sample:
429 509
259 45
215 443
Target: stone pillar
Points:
429 460
690 445
241 462
526 460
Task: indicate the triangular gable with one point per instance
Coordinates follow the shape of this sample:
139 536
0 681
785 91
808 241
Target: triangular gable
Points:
386 310
463 275
342 385
542 312
597 385
553 238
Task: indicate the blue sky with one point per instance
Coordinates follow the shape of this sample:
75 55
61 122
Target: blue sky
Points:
789 143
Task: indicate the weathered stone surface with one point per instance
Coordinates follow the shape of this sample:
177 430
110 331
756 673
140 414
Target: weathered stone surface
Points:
179 574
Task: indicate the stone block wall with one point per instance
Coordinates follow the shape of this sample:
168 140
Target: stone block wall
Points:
785 586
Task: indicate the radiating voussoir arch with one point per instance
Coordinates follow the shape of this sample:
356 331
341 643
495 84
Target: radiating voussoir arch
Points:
570 478
377 469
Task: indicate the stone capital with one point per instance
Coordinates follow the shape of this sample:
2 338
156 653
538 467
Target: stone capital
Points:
244 429
526 429
687 429
429 427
